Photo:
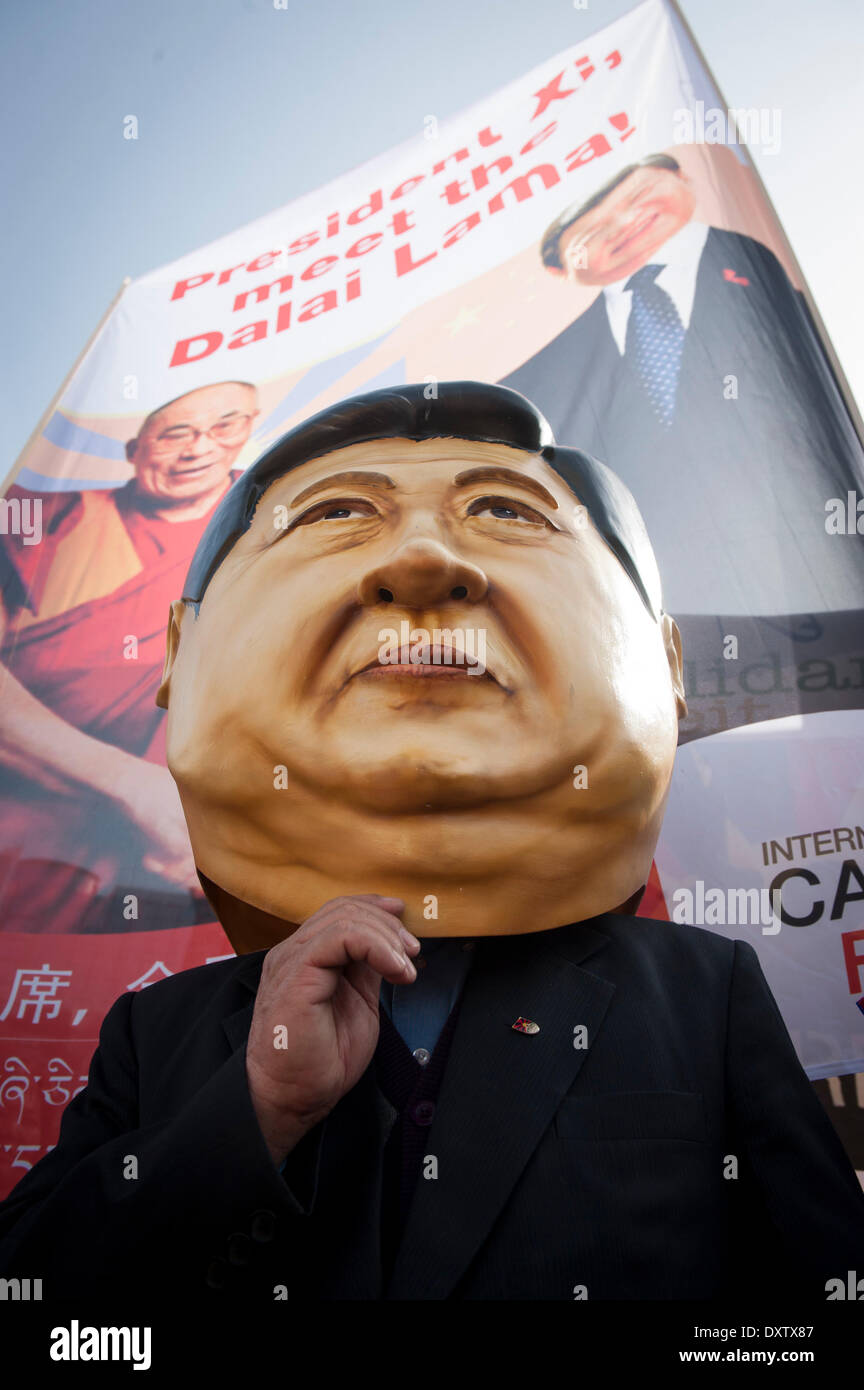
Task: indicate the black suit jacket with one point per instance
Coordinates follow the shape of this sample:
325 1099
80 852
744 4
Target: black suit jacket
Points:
734 493
605 1167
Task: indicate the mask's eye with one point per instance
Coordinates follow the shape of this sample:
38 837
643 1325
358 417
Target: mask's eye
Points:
506 509
336 509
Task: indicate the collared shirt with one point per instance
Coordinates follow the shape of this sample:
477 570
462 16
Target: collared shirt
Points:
679 257
419 1011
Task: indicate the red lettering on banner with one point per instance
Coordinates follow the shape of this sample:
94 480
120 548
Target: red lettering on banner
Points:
191 284
360 214
303 243
263 262
522 186
620 121
406 186
365 244
455 192
405 261
319 267
440 166
854 959
321 304
183 351
225 276
461 229
480 173
479 177
550 93
540 136
250 334
402 221
592 149
262 292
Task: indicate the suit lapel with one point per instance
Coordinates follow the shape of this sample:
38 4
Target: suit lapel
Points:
611 389
499 1094
236 1025
719 316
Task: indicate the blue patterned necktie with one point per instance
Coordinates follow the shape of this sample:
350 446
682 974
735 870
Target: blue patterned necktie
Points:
655 340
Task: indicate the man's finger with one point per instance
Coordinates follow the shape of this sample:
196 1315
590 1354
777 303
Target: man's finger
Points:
337 947
384 900
342 912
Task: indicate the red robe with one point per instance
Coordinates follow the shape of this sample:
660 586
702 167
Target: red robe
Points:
67 861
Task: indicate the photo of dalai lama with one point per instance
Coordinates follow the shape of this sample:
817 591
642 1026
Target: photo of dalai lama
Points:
696 373
88 811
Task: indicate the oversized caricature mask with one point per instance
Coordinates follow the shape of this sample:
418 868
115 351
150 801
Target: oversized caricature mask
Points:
421 653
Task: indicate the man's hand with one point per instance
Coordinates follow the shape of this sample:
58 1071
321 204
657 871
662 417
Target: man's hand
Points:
315 1023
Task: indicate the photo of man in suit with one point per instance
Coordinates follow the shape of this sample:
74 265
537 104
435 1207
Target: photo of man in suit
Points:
449 1063
697 373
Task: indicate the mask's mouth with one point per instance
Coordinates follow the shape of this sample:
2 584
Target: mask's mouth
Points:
430 660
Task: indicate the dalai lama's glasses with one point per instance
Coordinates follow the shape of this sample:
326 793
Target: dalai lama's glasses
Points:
224 432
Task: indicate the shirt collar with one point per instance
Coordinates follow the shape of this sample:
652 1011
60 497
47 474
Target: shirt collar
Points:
679 257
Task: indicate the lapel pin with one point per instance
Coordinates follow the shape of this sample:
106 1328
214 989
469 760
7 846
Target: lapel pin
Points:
524 1025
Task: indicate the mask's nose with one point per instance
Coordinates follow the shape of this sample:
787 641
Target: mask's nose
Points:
423 573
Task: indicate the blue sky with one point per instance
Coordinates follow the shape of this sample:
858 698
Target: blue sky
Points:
242 107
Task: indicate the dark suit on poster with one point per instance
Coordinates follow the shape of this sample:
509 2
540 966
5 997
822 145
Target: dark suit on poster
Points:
734 492
680 1153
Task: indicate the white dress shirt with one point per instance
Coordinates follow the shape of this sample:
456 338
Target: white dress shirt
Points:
679 257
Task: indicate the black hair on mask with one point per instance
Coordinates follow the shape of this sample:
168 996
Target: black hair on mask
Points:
448 409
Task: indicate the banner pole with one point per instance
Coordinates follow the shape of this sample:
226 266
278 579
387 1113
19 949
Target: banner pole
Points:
58 395
827 346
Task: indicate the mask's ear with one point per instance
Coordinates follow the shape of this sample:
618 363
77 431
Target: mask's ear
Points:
672 642
176 615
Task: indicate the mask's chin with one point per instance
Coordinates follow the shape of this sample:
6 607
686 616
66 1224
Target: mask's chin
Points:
250 928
